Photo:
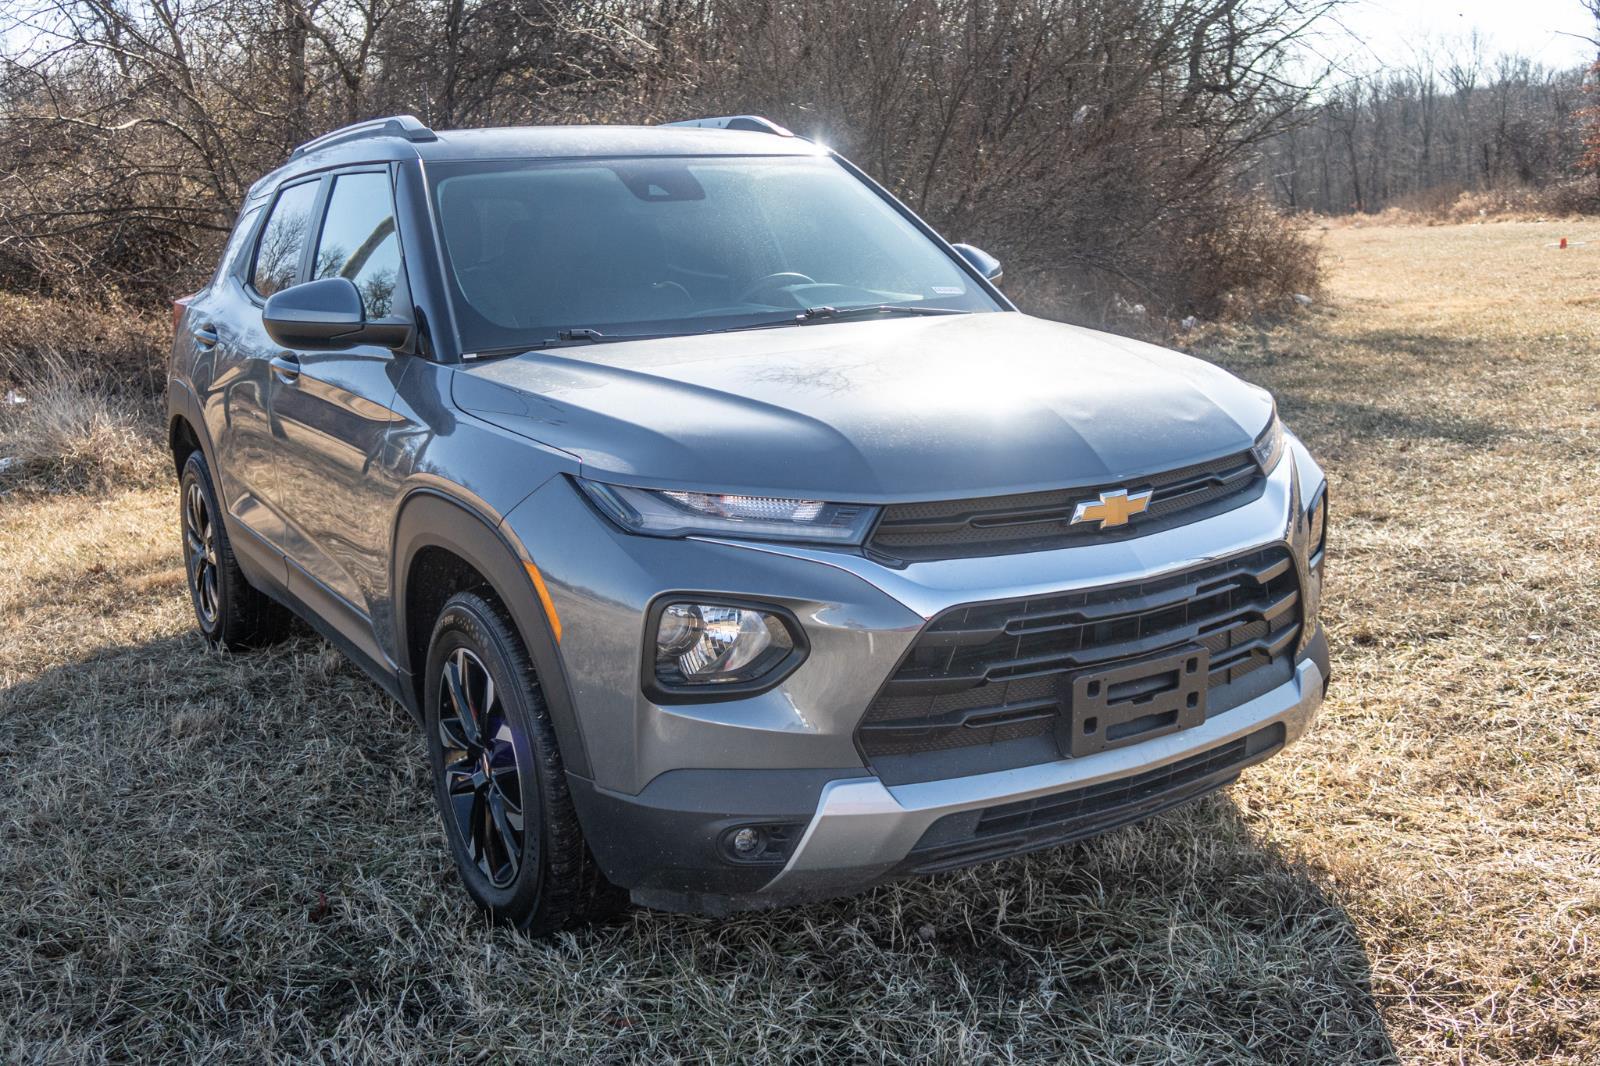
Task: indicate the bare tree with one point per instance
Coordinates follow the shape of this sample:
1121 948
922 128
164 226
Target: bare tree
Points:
1100 145
1450 121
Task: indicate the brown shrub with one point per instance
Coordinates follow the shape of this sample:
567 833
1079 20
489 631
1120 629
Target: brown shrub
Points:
124 344
69 427
1255 259
1243 258
1437 202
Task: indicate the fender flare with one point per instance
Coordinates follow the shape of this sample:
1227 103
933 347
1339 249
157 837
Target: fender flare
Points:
182 403
430 518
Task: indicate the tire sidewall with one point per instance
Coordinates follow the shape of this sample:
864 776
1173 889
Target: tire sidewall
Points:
464 624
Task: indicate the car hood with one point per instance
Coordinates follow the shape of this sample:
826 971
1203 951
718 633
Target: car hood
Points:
881 410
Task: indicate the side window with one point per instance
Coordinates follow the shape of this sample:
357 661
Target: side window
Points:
283 239
358 240
232 261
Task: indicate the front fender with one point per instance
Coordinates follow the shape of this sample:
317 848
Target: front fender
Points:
432 518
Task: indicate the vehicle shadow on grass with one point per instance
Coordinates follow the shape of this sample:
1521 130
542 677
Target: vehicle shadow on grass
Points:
1189 933
239 852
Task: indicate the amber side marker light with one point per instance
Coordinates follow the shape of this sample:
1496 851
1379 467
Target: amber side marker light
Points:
544 598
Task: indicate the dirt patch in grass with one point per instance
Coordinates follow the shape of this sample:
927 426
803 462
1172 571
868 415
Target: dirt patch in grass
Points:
234 857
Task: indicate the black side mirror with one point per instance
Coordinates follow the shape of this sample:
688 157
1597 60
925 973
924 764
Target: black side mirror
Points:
327 313
981 261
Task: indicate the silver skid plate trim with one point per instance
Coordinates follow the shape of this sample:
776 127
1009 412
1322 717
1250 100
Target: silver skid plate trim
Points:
862 826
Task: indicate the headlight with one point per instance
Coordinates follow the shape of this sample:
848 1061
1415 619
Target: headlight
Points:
1316 558
1317 529
662 513
722 645
1268 448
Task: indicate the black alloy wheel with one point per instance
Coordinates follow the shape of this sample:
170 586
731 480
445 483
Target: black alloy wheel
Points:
230 611
482 768
200 554
499 779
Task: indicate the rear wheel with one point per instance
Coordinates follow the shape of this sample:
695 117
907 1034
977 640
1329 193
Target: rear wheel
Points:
498 776
228 609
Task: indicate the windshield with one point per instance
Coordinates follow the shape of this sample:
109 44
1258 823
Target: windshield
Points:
675 245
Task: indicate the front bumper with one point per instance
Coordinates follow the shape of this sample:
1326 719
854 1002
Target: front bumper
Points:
854 831
669 781
864 830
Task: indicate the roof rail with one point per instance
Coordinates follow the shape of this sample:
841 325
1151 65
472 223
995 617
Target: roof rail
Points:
408 126
753 123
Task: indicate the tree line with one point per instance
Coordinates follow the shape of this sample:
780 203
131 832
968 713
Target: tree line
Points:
1100 147
1452 120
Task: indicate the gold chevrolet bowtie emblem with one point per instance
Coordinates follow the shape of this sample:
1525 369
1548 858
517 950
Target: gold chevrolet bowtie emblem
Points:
1112 508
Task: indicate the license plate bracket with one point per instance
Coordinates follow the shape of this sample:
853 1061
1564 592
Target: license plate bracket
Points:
1133 701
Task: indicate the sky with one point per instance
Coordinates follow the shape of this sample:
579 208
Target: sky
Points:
1365 35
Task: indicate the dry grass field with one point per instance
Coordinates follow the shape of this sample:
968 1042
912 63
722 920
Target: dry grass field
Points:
216 858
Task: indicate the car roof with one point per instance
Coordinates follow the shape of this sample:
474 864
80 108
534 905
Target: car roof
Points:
553 142
537 142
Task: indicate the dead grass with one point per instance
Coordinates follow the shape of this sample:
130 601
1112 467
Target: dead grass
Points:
219 857
69 428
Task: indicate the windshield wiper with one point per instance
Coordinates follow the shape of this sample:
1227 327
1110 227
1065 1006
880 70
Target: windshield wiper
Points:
565 338
568 337
812 314
840 314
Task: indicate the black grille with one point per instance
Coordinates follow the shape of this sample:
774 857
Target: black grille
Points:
1037 521
988 675
1010 829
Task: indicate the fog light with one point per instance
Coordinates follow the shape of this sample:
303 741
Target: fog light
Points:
769 844
748 843
716 644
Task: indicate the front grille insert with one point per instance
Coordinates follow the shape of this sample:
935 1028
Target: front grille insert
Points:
1013 828
1128 792
989 673
1037 521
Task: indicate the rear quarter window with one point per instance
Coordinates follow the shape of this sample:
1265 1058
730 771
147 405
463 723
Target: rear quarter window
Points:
233 256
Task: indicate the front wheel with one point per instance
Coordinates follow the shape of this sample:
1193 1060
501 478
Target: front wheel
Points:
498 776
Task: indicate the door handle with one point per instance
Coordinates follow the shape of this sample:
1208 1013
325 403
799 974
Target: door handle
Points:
287 367
206 335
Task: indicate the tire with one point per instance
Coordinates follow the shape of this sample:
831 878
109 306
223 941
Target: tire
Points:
230 612
499 779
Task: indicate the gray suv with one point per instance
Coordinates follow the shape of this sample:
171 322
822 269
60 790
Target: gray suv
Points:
733 538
